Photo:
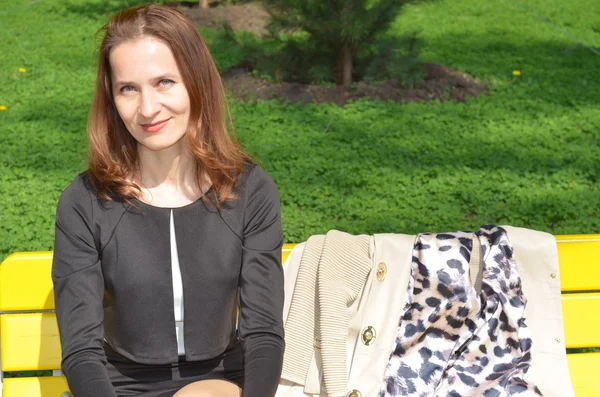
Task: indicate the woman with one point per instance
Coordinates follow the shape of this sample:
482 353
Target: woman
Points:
169 230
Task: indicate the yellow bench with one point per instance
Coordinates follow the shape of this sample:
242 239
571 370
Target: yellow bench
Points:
29 334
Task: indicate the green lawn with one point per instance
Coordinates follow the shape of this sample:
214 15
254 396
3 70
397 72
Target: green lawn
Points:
527 155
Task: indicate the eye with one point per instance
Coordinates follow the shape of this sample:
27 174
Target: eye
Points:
127 88
165 82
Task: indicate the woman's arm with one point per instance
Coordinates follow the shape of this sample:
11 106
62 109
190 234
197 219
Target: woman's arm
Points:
261 287
78 295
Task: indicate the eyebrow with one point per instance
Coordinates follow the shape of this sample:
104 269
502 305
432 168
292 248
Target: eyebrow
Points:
119 83
156 79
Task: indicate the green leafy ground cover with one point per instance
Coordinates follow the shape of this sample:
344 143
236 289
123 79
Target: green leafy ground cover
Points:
527 155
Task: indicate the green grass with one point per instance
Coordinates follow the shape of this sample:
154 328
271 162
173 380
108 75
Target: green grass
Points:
527 155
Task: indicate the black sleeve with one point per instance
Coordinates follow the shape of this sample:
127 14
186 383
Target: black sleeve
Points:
78 294
261 287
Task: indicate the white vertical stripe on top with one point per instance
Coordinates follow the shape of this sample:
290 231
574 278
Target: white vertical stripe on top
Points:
177 289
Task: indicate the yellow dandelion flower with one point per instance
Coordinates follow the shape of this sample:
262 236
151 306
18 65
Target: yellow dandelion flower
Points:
2 107
22 70
516 72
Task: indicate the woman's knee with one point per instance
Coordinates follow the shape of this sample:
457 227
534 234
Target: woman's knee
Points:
210 388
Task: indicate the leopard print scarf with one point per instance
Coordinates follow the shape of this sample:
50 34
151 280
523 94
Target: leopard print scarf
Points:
453 341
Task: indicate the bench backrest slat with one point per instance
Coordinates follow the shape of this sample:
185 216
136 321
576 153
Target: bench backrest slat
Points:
579 261
30 342
579 258
26 283
581 320
583 369
43 386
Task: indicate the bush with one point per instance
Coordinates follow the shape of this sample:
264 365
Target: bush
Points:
396 59
320 39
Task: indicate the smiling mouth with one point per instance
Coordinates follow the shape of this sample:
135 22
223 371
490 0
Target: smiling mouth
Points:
154 127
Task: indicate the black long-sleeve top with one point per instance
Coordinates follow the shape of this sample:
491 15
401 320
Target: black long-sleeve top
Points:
112 280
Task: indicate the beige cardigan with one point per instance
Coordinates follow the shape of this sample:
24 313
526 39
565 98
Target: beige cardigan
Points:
333 268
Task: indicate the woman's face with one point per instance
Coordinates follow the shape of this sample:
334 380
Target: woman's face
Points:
149 93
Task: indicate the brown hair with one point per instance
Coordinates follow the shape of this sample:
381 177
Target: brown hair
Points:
113 154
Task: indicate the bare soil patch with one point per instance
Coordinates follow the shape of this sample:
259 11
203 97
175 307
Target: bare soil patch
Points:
441 82
250 17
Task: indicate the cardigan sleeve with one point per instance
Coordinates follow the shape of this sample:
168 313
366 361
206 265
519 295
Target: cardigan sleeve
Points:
78 294
261 287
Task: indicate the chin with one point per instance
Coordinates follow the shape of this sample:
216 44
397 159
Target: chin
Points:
156 145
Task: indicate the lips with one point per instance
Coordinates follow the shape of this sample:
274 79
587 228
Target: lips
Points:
155 127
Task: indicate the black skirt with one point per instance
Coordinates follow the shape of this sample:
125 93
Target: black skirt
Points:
164 380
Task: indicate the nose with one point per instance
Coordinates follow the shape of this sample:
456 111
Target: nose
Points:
149 104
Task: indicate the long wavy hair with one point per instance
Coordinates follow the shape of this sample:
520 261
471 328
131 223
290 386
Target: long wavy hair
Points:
113 157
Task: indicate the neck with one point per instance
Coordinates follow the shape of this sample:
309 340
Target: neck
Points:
173 167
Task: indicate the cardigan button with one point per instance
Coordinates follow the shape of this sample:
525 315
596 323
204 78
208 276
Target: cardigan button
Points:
66 394
381 271
354 393
369 335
